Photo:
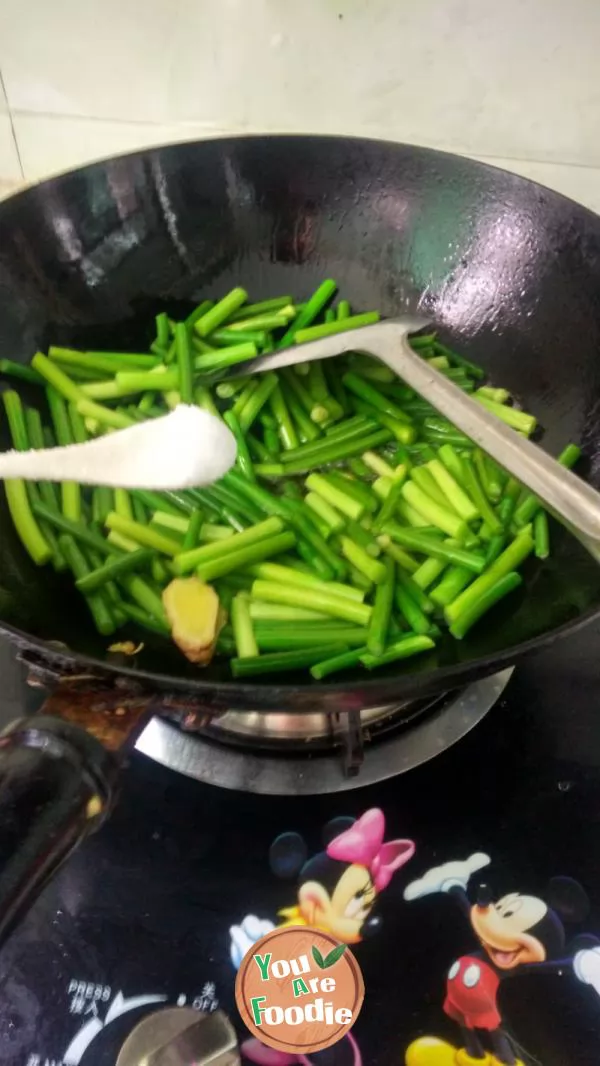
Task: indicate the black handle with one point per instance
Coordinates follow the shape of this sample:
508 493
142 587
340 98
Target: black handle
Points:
56 786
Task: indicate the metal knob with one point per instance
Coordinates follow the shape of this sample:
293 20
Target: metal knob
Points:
180 1036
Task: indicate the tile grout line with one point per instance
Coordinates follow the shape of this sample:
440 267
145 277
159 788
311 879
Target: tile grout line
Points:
12 127
534 160
112 120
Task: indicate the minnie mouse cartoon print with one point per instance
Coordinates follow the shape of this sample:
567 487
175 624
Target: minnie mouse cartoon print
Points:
338 888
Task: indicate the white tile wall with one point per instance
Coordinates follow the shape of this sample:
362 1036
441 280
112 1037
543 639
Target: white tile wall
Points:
97 58
517 83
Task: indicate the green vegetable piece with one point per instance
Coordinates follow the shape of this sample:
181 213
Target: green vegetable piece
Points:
280 637
78 530
145 597
287 575
277 662
220 359
371 568
336 663
16 420
268 321
70 490
312 455
471 369
213 318
483 603
365 391
518 420
382 611
23 373
337 498
243 460
24 521
198 312
403 558
512 557
453 491
56 377
454 581
428 545
184 363
428 572
411 612
256 400
77 563
437 515
144 535
190 560
264 549
328 329
285 427
404 648
313 599
309 311
263 307
142 618
404 432
114 568
241 622
104 415
475 489
541 535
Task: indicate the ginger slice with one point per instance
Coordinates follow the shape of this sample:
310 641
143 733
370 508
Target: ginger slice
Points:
195 616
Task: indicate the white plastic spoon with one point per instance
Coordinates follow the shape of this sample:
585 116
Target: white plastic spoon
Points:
185 448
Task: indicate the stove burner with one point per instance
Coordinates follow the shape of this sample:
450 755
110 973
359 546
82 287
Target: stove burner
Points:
288 754
255 729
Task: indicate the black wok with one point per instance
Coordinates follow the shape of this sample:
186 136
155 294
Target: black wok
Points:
509 272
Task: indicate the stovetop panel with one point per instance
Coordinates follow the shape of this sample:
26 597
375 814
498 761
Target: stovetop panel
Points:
141 916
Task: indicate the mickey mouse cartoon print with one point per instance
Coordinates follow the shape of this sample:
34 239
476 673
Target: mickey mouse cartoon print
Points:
337 888
515 933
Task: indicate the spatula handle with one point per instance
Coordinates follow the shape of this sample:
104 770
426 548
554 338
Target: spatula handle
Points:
575 503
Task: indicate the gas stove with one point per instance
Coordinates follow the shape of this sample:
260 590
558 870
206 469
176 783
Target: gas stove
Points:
303 754
152 913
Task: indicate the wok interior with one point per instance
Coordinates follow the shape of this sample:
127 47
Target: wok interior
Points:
509 272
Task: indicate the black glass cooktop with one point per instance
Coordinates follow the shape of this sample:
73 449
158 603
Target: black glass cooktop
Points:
159 907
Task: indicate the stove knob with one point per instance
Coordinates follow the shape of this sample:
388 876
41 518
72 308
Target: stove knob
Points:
180 1036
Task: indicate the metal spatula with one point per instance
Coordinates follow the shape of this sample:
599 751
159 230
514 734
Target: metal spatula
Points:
575 503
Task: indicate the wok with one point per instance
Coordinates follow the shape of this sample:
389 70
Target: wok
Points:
508 271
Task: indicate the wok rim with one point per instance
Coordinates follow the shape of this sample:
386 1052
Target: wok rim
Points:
251 696
296 135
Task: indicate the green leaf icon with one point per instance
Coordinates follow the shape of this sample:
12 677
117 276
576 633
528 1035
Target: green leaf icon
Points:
335 954
316 954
